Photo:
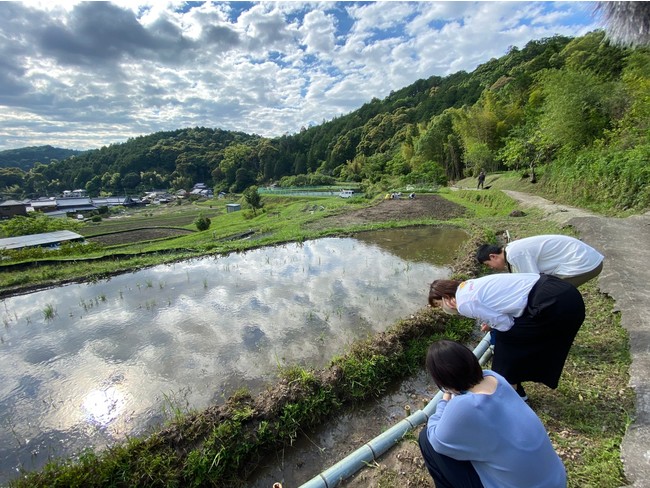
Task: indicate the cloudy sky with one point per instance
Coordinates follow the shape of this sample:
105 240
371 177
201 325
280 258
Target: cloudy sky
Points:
85 75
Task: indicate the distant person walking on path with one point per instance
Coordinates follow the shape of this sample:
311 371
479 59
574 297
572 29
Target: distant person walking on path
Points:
566 257
533 319
481 180
482 435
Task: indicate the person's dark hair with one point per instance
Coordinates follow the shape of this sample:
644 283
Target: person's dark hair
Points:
453 366
484 251
442 288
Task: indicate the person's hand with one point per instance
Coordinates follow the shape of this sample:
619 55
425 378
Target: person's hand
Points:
485 327
446 396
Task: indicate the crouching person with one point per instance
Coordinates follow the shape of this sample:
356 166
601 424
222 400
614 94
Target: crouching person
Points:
482 434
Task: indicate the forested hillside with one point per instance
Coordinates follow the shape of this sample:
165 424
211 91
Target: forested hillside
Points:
25 157
579 107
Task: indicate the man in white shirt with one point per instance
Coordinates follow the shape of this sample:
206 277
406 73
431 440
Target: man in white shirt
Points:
566 257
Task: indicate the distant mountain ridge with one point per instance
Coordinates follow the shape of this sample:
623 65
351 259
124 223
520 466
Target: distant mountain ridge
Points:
25 157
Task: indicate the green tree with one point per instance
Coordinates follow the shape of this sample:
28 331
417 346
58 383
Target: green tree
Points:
11 176
94 186
574 112
82 177
243 178
35 183
130 181
253 198
36 224
152 180
478 156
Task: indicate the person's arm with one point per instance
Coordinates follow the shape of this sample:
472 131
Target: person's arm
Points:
457 431
495 320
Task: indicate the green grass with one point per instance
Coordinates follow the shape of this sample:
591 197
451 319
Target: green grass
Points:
179 216
482 203
513 180
588 414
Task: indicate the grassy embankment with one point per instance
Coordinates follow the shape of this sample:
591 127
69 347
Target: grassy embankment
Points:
586 416
512 180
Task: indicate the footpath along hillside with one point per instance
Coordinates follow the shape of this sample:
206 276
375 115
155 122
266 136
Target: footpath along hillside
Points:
625 242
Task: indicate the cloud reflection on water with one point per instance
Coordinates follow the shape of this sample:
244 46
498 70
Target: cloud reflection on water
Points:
206 327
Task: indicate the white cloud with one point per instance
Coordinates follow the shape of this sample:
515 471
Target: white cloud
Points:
318 31
83 75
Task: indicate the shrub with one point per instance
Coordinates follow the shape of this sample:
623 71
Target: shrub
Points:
202 222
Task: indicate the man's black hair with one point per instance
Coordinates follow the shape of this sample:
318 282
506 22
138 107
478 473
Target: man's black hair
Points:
484 251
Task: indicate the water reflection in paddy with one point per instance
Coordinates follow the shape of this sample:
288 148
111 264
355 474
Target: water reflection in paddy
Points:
85 364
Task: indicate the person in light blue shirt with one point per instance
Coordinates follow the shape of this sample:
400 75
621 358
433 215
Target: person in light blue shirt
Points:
482 434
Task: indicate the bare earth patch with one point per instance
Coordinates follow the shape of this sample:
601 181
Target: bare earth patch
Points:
403 466
137 235
426 206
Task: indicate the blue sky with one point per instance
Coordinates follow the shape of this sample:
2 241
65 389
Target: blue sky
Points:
85 75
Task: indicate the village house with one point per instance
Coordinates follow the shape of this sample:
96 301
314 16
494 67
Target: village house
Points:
11 208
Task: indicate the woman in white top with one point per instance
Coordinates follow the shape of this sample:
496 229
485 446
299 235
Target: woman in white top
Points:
534 319
563 256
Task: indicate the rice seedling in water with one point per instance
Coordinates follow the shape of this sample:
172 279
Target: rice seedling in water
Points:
49 312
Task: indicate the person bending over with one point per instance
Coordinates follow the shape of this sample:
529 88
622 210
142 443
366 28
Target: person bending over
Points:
566 257
482 435
533 319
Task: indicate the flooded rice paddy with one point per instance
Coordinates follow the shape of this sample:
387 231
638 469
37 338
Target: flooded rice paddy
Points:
84 365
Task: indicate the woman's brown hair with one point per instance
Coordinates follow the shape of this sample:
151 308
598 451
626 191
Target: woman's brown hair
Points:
442 289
